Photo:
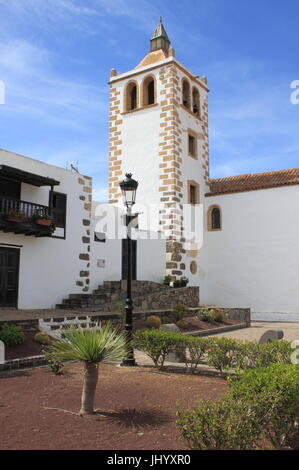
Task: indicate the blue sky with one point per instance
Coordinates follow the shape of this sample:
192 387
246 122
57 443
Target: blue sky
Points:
55 58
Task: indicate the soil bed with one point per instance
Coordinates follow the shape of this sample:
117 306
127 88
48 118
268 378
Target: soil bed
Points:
26 349
192 324
136 408
32 348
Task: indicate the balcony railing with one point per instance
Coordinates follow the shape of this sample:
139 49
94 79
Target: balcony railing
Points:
19 217
29 209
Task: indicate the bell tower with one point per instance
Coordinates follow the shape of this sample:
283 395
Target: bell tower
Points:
159 132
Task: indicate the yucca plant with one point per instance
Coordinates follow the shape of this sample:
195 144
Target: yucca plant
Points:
91 347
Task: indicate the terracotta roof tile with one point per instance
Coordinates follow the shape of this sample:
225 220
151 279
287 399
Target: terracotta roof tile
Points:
253 182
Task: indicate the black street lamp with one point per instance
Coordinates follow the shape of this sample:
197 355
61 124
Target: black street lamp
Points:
128 188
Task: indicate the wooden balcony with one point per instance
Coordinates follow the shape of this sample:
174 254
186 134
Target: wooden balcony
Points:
26 222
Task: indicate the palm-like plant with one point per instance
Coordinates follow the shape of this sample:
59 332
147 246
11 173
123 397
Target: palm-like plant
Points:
91 347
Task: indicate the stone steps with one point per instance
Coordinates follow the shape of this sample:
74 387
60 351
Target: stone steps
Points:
146 295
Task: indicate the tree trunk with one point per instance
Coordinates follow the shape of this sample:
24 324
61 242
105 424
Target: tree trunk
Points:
91 372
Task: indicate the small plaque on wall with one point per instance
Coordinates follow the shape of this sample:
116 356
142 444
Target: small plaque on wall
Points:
101 263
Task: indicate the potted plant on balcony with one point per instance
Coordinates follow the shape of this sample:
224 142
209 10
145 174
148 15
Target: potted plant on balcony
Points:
177 283
184 281
15 216
167 280
42 218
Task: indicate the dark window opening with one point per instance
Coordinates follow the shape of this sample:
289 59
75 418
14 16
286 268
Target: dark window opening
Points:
216 219
196 102
133 98
59 209
151 92
193 194
191 145
186 94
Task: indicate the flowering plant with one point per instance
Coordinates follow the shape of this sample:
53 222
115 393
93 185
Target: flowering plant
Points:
15 214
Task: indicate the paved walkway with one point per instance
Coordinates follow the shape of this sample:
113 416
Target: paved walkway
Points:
275 317
257 329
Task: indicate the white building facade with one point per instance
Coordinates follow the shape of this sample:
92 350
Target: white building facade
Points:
41 265
247 254
244 248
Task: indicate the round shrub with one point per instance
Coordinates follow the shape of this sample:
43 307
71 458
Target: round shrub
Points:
42 338
10 335
180 311
275 390
153 322
226 424
182 324
217 315
260 408
157 344
165 320
204 315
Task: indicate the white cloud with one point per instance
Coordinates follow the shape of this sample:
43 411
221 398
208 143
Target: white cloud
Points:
33 88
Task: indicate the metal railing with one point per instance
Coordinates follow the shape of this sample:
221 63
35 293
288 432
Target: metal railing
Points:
29 209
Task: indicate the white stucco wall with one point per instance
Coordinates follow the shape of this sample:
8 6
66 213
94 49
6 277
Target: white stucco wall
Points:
106 258
49 267
254 260
192 170
140 131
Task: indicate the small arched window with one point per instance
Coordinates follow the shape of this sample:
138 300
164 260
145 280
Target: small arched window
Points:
131 97
214 218
148 91
186 93
195 102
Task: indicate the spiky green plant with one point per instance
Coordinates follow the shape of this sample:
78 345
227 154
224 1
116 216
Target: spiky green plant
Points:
91 347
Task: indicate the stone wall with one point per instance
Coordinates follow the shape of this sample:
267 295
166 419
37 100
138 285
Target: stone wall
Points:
168 299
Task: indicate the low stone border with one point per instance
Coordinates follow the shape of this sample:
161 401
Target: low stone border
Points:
24 325
23 363
216 331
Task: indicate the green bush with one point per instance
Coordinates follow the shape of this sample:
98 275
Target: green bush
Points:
54 362
222 425
217 315
153 322
276 389
261 406
165 319
252 355
180 311
204 315
224 353
157 344
197 349
10 335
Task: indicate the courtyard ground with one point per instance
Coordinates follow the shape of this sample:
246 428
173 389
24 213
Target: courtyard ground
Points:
257 329
136 408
